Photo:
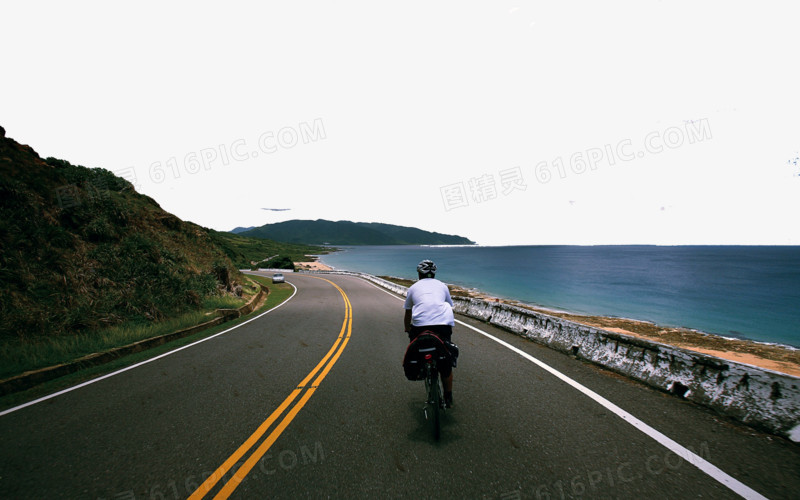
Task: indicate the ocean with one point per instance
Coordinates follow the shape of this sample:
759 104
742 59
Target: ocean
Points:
750 292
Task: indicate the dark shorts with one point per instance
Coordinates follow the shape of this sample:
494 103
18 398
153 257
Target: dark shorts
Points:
444 332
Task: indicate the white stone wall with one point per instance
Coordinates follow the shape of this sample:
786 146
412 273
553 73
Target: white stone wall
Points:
756 396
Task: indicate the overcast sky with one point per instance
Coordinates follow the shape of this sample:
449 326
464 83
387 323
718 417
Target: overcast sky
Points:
507 122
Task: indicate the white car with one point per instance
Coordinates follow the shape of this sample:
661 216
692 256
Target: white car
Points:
278 278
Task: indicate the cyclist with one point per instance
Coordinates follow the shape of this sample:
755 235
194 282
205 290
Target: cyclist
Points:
429 307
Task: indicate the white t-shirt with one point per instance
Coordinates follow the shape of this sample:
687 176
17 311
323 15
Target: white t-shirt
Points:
430 303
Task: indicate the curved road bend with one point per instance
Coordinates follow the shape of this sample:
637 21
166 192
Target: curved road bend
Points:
355 427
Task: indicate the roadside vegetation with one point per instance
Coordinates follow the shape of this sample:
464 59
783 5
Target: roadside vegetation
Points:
87 263
278 293
280 262
249 253
22 355
82 251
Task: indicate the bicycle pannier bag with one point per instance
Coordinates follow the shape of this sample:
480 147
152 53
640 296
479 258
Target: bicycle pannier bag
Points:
426 343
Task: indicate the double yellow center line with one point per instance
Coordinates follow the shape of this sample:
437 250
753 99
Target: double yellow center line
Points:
304 388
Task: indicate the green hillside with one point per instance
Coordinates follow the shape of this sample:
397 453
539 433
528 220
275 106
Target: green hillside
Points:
81 250
319 232
245 251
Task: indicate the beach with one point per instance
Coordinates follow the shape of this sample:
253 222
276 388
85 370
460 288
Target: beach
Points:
312 266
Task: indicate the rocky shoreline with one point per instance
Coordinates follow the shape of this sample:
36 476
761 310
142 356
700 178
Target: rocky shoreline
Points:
779 358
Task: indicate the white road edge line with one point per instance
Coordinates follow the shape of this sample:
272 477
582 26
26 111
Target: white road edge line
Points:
707 467
710 469
109 375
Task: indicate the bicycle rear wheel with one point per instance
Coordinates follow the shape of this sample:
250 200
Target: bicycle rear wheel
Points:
435 399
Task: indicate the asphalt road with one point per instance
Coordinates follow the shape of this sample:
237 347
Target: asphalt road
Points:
310 400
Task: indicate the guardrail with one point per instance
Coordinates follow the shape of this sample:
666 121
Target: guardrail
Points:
755 396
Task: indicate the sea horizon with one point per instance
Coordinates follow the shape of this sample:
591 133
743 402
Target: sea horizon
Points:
732 291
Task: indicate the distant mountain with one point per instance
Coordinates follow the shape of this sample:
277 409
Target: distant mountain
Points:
320 232
240 229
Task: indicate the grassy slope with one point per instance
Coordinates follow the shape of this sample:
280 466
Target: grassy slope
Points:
82 251
278 294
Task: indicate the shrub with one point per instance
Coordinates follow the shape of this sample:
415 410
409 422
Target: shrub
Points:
280 262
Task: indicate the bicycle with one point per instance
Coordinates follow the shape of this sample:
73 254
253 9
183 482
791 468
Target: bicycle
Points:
426 356
434 396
